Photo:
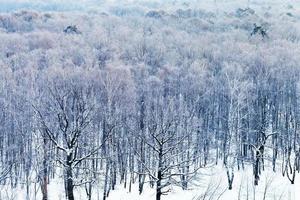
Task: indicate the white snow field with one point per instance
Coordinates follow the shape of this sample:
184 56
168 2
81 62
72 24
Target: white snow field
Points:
212 184
209 184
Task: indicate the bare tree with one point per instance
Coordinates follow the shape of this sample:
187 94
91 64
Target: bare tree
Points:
163 141
68 120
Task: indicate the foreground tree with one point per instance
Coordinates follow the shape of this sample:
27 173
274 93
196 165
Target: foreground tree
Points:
66 123
166 145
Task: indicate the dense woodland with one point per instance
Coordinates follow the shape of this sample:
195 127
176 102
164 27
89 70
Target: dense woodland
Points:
103 99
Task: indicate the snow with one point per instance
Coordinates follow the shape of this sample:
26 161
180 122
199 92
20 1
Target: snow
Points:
272 186
212 177
212 180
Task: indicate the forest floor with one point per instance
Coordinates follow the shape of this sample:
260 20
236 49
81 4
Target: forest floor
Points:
210 183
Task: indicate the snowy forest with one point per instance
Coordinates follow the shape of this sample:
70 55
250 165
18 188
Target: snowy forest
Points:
152 100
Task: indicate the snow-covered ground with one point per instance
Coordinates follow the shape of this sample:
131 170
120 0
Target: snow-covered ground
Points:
210 184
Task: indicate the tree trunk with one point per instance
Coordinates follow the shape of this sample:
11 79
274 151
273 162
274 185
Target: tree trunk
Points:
230 177
159 175
256 171
44 180
106 180
158 185
141 183
88 190
69 184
